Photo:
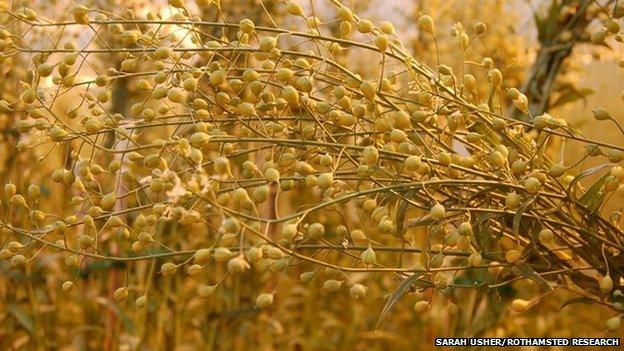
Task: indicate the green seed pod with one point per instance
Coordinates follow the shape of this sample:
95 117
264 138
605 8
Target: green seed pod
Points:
108 201
465 229
316 230
601 114
532 185
613 323
606 284
289 231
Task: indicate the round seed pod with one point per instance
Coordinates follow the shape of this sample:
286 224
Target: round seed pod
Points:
532 185
546 235
513 255
168 269
368 256
222 254
613 323
261 194
332 285
67 286
606 284
202 256
358 236
120 294
368 89
272 175
294 9
421 306
205 291
425 23
264 300
475 259
18 260
316 230
520 305
267 44
365 26
381 42
140 302
289 231
237 265
437 212
512 200
387 27
358 291
370 155
465 229
246 26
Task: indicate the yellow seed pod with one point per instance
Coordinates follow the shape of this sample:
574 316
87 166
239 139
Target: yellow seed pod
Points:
108 201
495 77
358 291
421 306
202 256
370 155
497 159
289 231
199 139
599 36
237 265
365 26
246 26
387 27
85 241
368 256
332 285
475 259
325 180
437 212
291 95
425 23
368 89
190 84
247 109
264 300
398 136
601 114
267 44
18 261
168 269
412 163
513 255
120 294
532 185
520 305
29 95
80 13
67 286
381 42
606 284
613 323
345 14
294 9
177 3
222 254
140 302
546 235
358 236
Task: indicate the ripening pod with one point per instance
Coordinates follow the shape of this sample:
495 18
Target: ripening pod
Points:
606 284
599 36
475 259
222 254
495 77
176 95
18 260
332 285
294 9
238 265
613 323
199 139
437 212
177 3
381 42
368 89
421 306
108 201
546 236
67 286
168 269
365 26
358 291
425 23
532 185
601 114
519 166
141 301
80 13
398 136
85 241
497 159
261 194
29 95
267 44
202 256
246 26
513 255
520 305
370 155
264 300
120 294
557 170
368 256
289 231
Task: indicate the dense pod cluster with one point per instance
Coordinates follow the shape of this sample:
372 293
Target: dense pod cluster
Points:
254 150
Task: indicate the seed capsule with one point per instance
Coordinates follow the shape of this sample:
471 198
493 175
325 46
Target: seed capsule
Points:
120 294
613 323
368 256
370 155
168 269
546 235
264 300
140 302
421 306
520 305
238 265
67 286
358 291
513 255
205 291
606 284
425 23
332 285
437 212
